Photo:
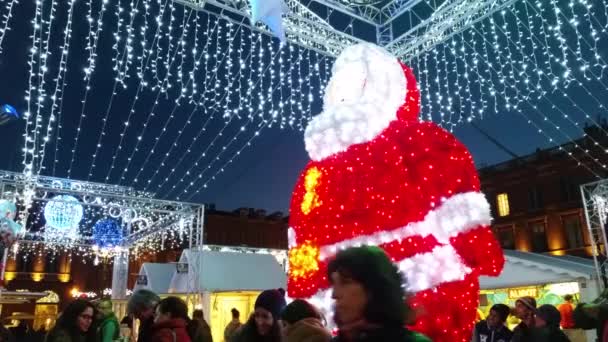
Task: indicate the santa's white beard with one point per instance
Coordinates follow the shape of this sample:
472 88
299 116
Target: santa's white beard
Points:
341 126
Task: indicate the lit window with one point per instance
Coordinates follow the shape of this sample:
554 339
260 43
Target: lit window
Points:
503 204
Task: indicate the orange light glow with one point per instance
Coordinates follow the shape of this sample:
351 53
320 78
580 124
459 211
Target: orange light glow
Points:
303 260
311 198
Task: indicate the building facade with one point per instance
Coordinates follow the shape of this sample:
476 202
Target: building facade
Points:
67 275
536 200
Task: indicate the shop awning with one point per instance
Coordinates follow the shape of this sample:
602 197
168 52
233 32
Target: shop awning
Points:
155 277
524 269
227 271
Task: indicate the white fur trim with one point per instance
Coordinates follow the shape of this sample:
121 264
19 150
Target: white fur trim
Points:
291 238
421 272
427 270
457 214
362 98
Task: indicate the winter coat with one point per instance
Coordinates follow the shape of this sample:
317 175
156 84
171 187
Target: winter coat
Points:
247 333
549 334
307 330
173 330
522 333
145 330
61 335
108 330
483 333
388 334
230 330
200 331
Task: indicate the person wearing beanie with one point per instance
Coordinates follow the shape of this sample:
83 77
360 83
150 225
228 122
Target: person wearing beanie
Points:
303 323
525 308
263 325
547 329
370 301
493 329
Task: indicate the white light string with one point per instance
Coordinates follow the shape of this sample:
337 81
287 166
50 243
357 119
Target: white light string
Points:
152 114
543 116
89 70
261 126
199 103
30 143
6 18
176 105
225 147
192 101
145 56
60 83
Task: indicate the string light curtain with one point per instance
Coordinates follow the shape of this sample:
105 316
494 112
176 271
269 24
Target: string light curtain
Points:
136 92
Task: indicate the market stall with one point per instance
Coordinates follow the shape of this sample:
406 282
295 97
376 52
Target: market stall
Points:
547 278
225 280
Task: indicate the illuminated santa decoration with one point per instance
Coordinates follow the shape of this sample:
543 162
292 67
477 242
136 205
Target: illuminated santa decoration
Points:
379 176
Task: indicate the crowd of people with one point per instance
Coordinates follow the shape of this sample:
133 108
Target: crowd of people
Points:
370 305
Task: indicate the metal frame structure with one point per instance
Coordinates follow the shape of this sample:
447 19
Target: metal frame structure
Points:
407 28
159 215
595 201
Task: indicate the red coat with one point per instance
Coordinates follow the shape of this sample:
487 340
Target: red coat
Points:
164 331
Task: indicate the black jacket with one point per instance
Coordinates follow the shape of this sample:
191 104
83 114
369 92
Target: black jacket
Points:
522 333
145 330
387 334
483 333
547 334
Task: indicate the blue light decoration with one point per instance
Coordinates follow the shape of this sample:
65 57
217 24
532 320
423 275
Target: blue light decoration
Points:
107 233
8 209
8 113
63 212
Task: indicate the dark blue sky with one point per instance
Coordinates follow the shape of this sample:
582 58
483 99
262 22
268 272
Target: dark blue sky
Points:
264 174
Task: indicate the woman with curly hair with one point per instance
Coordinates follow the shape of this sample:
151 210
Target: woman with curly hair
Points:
370 302
74 324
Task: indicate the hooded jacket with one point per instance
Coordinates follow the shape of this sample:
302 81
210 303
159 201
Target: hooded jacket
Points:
165 331
307 330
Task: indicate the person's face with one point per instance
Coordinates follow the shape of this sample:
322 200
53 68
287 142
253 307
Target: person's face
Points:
539 322
104 309
351 298
85 319
263 321
143 314
161 317
521 310
494 319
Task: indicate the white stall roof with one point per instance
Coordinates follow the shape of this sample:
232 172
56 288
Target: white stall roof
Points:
228 271
158 277
523 269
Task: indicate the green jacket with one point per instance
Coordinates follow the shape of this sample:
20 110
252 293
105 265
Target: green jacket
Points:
109 329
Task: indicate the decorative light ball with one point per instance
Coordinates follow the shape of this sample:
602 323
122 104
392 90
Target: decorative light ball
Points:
63 212
8 209
107 233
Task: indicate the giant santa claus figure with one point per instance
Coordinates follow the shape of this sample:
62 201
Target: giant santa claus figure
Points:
380 176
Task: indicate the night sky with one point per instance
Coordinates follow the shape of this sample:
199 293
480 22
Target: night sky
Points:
263 175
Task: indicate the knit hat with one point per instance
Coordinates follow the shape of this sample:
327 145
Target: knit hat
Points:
502 311
272 300
528 302
549 314
298 310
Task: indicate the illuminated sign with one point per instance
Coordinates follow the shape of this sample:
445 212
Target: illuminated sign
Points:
523 292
